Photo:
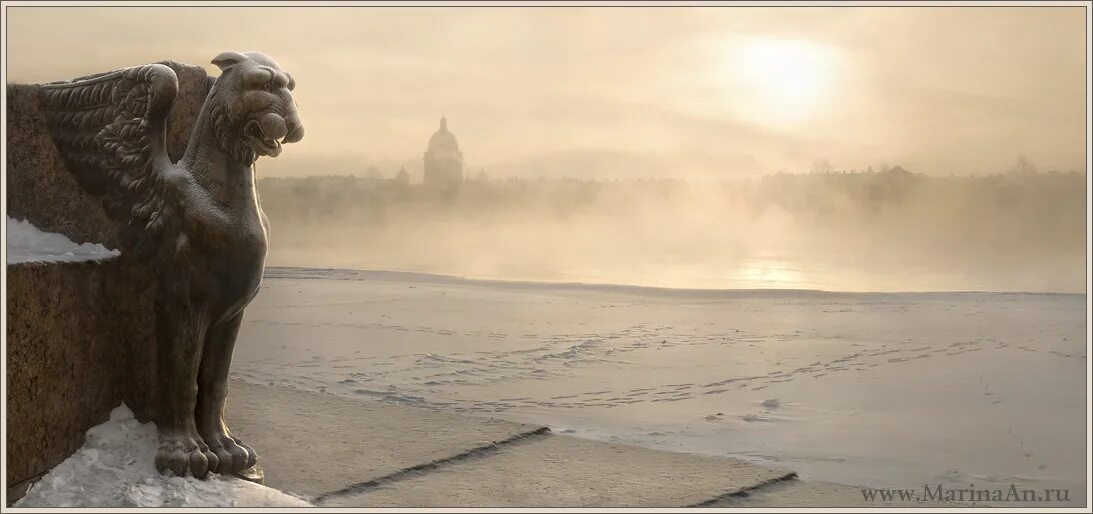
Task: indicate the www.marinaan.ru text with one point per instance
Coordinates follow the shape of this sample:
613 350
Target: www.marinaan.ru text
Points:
939 493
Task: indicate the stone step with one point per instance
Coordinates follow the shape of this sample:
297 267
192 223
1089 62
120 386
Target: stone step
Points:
345 452
797 493
313 443
562 471
800 493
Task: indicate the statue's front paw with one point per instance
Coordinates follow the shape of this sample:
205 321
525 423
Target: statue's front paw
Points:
184 454
232 454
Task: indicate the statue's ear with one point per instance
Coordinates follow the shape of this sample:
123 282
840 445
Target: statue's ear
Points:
228 59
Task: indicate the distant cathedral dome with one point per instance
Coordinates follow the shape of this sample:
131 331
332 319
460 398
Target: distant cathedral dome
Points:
442 140
443 160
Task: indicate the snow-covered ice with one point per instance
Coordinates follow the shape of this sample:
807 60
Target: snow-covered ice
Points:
116 468
26 243
872 389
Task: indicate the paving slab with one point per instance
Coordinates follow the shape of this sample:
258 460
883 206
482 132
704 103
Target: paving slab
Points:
562 471
313 443
798 493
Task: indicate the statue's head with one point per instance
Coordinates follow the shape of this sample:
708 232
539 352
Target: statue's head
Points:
253 112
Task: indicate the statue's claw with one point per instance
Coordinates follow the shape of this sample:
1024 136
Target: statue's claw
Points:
226 460
182 455
232 454
214 460
252 458
199 464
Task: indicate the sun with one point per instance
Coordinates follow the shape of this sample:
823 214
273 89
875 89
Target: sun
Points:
780 81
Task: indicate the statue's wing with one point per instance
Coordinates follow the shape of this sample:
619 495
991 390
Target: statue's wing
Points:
110 130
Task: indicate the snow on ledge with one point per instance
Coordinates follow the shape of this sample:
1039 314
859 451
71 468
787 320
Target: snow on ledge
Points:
116 468
26 243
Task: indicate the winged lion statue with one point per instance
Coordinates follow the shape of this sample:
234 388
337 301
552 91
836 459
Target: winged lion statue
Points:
198 221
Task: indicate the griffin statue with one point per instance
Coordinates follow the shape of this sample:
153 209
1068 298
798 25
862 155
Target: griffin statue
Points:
198 221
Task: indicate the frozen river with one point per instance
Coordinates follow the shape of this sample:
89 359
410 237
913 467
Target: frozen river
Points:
877 389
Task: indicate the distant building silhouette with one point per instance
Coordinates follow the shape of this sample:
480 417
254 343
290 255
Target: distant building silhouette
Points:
443 160
402 177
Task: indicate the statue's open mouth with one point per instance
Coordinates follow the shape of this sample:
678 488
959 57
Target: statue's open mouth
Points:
258 141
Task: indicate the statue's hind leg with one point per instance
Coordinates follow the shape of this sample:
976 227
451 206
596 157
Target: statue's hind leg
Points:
181 449
233 455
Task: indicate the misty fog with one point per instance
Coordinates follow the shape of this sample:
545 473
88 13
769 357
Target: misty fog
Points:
673 125
889 230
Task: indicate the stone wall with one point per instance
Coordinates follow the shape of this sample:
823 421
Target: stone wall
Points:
80 340
80 336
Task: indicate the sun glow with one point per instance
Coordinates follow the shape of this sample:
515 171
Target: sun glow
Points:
783 82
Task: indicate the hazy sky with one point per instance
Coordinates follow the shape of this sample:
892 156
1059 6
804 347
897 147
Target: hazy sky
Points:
622 92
